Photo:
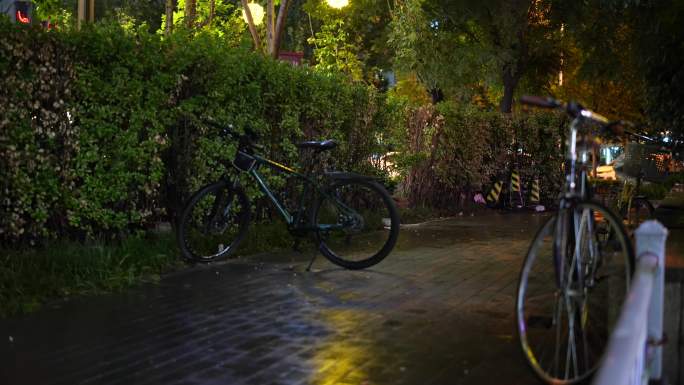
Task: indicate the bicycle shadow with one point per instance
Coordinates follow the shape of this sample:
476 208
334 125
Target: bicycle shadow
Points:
339 287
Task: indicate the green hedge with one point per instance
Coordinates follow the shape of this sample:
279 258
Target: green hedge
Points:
451 153
99 132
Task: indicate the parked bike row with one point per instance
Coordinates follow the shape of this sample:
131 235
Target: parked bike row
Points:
574 277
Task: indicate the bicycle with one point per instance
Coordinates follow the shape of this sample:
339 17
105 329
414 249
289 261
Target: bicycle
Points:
640 163
352 217
577 270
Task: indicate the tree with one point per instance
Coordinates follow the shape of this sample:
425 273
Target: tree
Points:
521 36
659 51
426 44
495 42
274 26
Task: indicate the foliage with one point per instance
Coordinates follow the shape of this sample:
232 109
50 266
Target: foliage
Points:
599 67
334 52
410 89
361 28
140 12
450 153
102 134
225 21
37 140
658 49
461 45
440 57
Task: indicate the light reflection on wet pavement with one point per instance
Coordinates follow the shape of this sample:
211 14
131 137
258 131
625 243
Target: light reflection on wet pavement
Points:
438 310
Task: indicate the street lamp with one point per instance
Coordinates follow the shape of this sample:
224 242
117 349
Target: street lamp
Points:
337 4
257 12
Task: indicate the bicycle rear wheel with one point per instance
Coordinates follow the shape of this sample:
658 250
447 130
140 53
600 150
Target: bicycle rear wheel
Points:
639 210
214 222
357 223
572 285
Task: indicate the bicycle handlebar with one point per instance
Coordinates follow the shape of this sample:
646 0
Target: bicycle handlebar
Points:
243 139
541 102
573 109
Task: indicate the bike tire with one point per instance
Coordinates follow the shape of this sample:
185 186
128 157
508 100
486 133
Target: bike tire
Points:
544 297
639 211
374 240
200 241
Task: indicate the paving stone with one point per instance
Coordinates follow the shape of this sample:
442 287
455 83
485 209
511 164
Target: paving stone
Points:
438 310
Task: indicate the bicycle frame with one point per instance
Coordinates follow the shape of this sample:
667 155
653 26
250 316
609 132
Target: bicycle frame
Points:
308 182
572 190
576 189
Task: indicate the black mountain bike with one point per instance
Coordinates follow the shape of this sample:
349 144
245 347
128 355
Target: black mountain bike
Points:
352 217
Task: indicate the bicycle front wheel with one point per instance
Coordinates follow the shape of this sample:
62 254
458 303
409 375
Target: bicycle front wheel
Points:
214 222
356 223
572 285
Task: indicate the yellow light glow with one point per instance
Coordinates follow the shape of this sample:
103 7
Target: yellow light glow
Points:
338 3
257 12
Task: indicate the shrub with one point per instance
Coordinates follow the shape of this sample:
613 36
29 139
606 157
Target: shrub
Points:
449 153
101 134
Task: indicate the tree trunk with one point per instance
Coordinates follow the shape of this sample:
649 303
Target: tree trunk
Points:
437 95
510 81
190 13
212 10
274 26
280 25
91 11
252 28
270 26
169 17
81 12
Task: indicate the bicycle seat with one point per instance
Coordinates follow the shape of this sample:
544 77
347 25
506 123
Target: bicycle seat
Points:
318 145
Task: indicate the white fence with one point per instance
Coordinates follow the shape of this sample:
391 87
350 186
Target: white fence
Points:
634 353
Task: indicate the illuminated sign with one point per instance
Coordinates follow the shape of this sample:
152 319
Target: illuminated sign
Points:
23 18
19 11
23 10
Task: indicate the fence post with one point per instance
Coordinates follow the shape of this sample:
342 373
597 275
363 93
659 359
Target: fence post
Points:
650 240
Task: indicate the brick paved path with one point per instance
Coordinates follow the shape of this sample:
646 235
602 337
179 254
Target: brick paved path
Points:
438 310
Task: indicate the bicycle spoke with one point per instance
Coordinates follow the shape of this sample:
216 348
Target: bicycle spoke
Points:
592 287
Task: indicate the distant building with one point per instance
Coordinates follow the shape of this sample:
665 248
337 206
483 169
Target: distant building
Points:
294 58
19 11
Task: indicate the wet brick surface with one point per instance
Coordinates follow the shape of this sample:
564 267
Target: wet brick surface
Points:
438 310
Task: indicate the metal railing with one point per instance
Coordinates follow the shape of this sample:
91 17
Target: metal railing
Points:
634 352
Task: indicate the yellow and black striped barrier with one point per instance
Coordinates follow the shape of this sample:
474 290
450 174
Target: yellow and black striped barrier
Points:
494 193
515 181
516 190
534 192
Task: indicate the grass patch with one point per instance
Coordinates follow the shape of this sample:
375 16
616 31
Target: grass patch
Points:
30 278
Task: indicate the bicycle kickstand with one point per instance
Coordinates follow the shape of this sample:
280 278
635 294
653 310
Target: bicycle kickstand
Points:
313 258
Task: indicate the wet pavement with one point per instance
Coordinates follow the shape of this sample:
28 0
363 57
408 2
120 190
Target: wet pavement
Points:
438 310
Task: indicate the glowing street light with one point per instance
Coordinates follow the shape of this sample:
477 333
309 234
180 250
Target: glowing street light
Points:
337 4
257 12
